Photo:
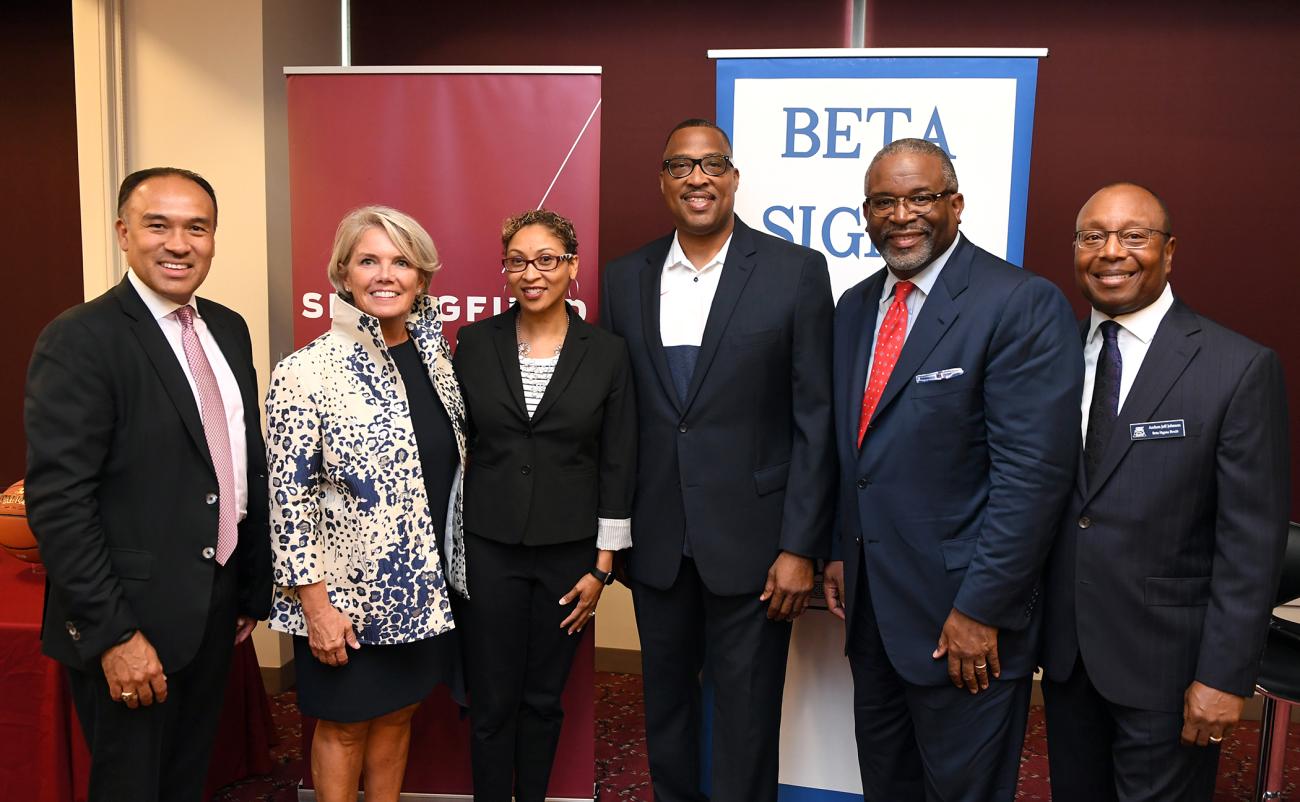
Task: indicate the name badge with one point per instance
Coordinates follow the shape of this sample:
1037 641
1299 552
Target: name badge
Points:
939 375
1157 430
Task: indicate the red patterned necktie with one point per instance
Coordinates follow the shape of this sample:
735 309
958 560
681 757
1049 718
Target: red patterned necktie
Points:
215 430
889 341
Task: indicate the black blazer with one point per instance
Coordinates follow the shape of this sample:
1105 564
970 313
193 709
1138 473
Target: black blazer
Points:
546 480
1165 569
746 462
118 480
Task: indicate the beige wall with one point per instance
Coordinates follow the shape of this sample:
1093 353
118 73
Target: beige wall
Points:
199 85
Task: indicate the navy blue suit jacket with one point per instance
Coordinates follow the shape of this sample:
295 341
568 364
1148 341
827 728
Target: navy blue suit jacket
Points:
745 462
955 495
1165 569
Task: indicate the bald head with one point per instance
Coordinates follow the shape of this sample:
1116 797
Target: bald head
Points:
1166 224
1116 278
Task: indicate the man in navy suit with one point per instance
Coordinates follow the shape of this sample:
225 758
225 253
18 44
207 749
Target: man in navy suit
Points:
1161 582
956 381
728 330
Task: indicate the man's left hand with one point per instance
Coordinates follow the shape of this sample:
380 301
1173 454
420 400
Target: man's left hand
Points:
243 628
972 650
1208 714
789 582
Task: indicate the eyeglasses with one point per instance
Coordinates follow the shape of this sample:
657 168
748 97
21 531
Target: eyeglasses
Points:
920 203
1132 239
715 164
545 263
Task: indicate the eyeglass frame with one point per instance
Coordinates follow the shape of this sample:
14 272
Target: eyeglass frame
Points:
559 257
700 164
906 200
1151 232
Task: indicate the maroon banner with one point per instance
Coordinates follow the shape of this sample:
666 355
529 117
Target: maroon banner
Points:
459 152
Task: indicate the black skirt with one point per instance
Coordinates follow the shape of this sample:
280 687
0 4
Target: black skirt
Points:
377 679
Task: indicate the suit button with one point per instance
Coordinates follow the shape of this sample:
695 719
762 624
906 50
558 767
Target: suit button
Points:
528 435
1085 522
858 540
862 483
209 553
210 498
682 428
527 469
72 631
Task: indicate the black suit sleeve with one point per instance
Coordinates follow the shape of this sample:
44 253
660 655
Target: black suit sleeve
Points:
1032 385
1252 476
253 555
618 436
809 495
70 422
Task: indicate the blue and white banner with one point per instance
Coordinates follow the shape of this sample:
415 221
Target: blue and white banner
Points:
804 127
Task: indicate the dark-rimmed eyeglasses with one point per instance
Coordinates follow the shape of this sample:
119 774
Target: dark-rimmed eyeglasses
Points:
1131 239
715 164
545 263
919 203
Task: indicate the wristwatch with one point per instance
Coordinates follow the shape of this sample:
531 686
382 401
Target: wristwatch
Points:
605 577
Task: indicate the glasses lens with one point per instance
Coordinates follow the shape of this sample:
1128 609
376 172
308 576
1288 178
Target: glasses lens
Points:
714 165
920 203
1091 240
680 168
545 262
1135 238
882 206
514 264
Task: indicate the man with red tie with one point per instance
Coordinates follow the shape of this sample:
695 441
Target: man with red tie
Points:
146 490
956 382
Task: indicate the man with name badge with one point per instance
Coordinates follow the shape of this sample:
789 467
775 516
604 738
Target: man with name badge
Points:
729 335
1161 582
146 491
956 376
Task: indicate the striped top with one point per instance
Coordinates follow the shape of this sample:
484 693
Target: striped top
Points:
536 374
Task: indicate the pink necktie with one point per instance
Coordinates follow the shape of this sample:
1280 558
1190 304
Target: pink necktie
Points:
893 330
216 432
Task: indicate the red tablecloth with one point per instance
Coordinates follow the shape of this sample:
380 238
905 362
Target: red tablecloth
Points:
43 756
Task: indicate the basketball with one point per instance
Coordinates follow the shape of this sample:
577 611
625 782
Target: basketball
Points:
15 536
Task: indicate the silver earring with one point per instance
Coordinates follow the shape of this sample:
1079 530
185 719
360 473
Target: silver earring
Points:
572 293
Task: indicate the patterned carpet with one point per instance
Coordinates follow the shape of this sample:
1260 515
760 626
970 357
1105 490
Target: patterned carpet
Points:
621 763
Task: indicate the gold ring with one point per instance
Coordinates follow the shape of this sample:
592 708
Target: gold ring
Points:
128 696
981 666
1216 739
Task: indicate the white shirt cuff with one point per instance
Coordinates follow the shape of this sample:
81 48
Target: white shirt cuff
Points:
614 534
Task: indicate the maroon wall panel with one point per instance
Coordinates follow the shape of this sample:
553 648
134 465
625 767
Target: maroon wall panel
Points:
40 214
656 71
1199 100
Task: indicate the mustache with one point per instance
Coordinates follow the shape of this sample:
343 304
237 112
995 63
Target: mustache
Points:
914 227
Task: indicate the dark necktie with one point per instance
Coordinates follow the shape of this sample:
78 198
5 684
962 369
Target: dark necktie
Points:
1105 398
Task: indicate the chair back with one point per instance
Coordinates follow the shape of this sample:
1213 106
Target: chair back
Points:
1289 587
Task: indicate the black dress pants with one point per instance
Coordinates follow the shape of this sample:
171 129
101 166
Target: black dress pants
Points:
517 660
686 629
160 753
1103 752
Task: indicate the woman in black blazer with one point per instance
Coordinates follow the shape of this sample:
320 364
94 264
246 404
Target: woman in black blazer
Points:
548 500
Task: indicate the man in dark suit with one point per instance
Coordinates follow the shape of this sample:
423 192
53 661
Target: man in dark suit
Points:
955 380
729 335
1163 575
146 490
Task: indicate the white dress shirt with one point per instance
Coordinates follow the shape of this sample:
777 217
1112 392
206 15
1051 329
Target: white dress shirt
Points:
1136 329
924 282
162 308
686 295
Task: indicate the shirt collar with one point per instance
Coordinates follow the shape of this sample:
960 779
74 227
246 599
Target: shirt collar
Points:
924 280
159 306
677 258
1141 323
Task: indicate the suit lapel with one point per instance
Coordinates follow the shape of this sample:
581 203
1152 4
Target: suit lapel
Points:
651 273
741 260
575 348
937 315
507 348
1080 471
1171 350
160 353
862 331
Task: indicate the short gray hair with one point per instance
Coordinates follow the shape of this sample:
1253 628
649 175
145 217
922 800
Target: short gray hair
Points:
918 147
